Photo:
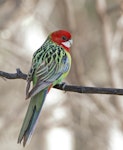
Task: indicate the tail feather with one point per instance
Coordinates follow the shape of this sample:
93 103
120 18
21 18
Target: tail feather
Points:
31 117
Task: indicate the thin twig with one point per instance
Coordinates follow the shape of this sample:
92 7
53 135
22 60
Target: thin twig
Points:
71 88
18 75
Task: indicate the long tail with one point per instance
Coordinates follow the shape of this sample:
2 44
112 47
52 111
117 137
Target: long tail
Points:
32 116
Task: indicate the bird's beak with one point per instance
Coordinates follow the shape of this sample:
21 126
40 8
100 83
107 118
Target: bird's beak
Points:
68 43
71 41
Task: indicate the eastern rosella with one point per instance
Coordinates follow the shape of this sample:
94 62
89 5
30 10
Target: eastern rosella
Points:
50 65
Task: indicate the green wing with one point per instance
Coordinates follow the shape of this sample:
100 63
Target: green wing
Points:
47 67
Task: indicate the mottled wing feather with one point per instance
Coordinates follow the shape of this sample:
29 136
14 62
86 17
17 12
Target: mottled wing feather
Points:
47 66
47 79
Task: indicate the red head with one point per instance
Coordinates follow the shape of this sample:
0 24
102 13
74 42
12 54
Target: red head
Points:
62 38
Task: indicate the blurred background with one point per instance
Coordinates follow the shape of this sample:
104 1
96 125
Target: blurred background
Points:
69 121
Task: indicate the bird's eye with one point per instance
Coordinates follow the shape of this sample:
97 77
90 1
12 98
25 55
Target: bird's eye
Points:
64 38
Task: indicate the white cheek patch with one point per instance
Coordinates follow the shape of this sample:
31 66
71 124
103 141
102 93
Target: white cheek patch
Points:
67 43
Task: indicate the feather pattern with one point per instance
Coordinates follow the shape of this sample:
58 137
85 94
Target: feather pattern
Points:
49 63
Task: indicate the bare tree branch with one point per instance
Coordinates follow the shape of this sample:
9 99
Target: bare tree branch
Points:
17 75
71 88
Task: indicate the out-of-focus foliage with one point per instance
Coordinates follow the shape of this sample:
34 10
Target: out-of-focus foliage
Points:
97 60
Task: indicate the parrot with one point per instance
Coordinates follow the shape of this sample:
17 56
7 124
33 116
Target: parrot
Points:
51 63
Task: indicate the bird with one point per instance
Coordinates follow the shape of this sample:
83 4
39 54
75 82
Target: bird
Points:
51 63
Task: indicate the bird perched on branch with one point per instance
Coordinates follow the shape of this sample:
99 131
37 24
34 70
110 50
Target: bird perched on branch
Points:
50 65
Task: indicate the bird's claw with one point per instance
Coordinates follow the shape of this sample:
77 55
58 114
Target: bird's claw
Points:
63 85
